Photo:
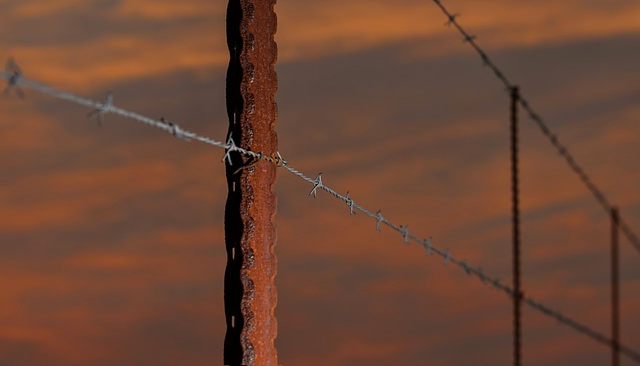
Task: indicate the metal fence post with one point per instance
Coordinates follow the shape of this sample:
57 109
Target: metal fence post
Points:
615 307
250 293
517 292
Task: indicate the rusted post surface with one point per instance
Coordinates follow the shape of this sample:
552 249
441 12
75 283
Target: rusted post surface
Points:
250 235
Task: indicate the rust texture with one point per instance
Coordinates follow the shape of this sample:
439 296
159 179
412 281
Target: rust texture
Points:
250 235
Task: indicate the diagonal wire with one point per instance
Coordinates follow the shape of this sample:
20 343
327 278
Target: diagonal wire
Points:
103 107
553 138
108 107
471 271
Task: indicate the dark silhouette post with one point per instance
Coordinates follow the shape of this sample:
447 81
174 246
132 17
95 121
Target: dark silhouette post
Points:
250 293
615 305
517 294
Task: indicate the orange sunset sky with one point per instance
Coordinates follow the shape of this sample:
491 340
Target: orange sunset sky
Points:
111 239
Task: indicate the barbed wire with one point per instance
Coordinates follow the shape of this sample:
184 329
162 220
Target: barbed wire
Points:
103 107
553 138
16 79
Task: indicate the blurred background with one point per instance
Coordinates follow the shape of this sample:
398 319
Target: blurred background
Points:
111 239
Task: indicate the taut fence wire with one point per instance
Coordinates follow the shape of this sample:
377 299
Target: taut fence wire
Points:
16 80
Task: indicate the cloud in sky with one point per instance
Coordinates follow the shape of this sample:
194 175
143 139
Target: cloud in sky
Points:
311 29
112 241
112 40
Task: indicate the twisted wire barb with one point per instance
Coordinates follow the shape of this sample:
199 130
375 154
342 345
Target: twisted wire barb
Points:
317 184
553 138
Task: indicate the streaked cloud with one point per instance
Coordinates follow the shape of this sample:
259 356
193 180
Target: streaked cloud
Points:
119 36
309 30
112 237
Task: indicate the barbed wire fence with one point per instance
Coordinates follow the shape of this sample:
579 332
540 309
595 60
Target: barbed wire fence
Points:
617 222
16 80
549 134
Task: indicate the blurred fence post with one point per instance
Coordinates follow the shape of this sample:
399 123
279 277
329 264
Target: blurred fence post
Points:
517 292
250 293
615 307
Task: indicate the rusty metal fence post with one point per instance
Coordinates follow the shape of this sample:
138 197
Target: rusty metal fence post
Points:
250 235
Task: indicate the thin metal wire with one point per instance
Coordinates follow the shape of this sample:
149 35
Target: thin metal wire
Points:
317 184
553 138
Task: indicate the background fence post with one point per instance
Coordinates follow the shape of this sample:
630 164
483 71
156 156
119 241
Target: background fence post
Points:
517 294
615 307
250 293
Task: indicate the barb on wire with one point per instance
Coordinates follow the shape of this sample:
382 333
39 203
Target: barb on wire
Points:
404 230
103 107
350 204
469 38
452 18
317 184
427 246
175 129
379 219
279 160
553 138
15 73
